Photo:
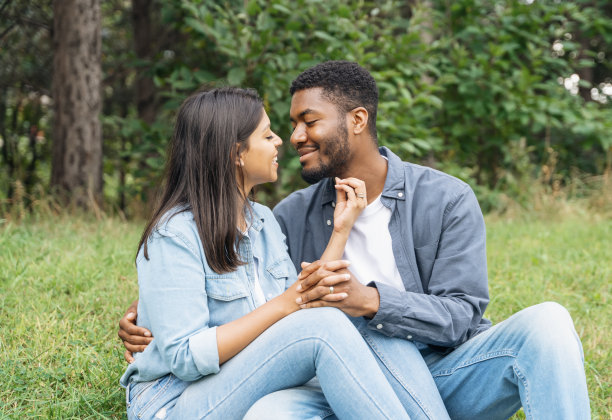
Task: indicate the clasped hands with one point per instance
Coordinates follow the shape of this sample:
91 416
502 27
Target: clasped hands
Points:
330 283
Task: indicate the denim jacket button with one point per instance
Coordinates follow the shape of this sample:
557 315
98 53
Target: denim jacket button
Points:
400 194
328 222
379 326
409 337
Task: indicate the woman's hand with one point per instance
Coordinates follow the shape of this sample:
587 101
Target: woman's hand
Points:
351 199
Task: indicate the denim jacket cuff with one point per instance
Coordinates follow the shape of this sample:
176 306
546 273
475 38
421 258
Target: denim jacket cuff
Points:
203 347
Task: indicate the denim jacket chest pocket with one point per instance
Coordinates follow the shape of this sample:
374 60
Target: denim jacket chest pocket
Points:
279 272
228 298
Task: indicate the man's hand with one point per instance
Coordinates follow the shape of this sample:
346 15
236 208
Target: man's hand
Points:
349 295
135 339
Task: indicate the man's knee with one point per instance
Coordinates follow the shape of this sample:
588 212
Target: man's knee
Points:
549 326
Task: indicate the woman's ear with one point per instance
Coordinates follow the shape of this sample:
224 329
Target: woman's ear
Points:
239 161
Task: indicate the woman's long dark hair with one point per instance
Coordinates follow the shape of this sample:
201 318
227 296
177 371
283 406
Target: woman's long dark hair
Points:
211 129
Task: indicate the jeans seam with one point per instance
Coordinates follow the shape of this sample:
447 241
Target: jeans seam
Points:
474 360
395 374
523 379
271 356
154 397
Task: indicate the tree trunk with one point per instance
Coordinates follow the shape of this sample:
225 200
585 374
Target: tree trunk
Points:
76 171
144 49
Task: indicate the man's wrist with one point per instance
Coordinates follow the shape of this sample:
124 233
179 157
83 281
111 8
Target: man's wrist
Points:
372 302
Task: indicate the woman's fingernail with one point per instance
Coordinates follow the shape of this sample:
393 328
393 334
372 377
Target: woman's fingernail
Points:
298 300
299 288
303 306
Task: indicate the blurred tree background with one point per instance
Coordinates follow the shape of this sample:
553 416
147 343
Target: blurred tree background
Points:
507 95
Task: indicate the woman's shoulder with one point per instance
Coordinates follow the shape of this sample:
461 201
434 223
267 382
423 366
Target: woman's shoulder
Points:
178 223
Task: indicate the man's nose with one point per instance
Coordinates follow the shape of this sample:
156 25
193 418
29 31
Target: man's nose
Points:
298 136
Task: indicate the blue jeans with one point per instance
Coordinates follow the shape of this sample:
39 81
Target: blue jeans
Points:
320 342
533 359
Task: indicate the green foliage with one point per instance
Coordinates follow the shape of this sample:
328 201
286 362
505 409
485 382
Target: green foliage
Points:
25 59
64 284
476 88
265 45
500 88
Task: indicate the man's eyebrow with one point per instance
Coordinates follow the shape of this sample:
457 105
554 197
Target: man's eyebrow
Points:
304 112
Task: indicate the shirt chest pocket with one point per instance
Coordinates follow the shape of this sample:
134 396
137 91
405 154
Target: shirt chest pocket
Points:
227 299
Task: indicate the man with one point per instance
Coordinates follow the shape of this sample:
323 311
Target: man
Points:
418 286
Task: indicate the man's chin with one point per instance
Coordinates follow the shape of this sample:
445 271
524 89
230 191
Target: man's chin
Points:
313 176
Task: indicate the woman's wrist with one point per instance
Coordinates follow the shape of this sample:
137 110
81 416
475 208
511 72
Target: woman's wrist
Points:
284 305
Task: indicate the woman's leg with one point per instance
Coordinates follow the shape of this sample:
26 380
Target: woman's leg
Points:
320 342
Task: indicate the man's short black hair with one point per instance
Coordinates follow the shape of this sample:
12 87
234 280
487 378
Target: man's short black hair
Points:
344 83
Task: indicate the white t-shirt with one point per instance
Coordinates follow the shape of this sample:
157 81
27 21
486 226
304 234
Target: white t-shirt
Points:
369 247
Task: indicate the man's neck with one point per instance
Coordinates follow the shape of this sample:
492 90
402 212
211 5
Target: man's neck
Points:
371 169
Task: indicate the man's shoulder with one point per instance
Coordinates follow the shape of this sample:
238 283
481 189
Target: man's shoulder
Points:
419 176
416 177
433 189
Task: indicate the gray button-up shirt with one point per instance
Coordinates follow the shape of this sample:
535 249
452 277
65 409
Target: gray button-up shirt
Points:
438 237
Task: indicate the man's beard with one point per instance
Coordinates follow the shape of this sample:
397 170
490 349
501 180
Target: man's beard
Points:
338 151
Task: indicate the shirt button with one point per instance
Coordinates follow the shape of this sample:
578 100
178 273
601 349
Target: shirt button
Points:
379 326
409 337
400 194
328 222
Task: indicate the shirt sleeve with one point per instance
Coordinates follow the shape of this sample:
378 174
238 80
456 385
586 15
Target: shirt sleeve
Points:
172 291
451 308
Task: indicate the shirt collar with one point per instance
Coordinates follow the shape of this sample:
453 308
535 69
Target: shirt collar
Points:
394 183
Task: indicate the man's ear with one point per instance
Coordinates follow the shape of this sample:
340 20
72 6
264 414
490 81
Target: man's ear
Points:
359 119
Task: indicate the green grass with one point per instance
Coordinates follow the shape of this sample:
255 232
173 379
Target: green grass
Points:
64 282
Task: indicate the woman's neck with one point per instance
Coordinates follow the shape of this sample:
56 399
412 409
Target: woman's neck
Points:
241 216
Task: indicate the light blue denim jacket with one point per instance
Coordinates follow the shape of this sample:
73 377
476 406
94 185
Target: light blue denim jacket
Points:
182 300
438 237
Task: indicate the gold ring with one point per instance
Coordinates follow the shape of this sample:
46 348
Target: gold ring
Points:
361 195
331 289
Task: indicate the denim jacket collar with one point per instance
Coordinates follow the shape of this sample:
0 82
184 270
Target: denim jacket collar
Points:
394 183
256 221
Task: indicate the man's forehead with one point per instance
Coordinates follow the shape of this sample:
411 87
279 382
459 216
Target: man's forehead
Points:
309 101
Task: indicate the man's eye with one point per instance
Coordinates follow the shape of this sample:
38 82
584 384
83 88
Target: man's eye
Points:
310 123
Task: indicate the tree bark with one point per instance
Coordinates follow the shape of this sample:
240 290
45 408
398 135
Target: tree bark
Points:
76 170
146 103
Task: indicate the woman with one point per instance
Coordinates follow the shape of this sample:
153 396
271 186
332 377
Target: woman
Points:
218 290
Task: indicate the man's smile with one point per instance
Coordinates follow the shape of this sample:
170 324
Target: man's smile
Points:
306 150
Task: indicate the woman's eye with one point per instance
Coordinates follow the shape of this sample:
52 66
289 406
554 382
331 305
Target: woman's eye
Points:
269 137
